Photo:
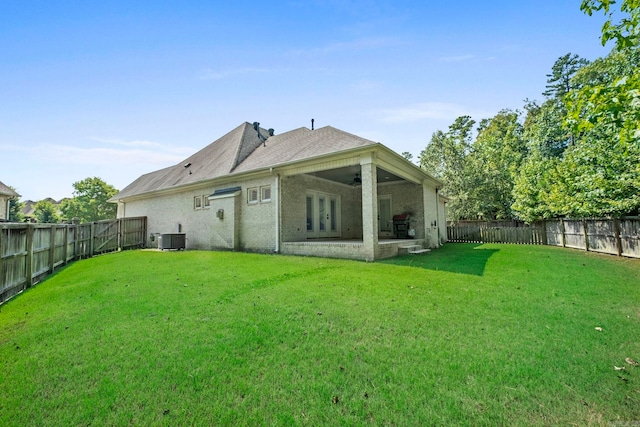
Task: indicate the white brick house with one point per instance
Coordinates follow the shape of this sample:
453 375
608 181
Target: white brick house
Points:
6 193
320 192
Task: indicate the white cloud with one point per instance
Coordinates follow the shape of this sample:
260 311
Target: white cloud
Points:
53 167
465 58
210 74
426 110
366 85
147 153
142 144
354 45
458 58
108 156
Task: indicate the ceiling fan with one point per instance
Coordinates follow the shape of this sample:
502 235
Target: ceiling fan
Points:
356 180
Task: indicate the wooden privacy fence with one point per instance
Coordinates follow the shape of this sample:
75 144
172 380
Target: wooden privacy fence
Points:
611 236
29 252
489 232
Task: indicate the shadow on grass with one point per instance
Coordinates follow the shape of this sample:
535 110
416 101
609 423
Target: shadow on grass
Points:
464 258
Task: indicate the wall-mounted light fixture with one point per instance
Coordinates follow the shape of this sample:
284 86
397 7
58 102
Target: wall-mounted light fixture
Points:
220 213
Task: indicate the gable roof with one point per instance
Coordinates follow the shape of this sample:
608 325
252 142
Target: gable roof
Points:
5 190
301 144
246 148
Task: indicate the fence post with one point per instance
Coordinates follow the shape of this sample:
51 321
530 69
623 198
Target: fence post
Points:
144 232
29 260
564 241
52 248
616 228
544 233
120 230
92 235
76 222
66 243
586 235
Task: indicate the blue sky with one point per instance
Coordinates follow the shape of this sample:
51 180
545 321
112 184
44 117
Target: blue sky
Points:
118 88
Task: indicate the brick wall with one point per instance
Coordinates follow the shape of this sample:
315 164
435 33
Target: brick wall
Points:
406 197
170 213
294 215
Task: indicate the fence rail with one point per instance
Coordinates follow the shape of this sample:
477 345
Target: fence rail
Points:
30 252
489 233
611 236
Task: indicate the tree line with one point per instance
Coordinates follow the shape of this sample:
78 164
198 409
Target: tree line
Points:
88 204
576 154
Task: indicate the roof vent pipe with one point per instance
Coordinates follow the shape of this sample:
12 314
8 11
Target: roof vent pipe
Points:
312 120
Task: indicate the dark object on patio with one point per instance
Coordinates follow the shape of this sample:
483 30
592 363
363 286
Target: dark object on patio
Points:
401 226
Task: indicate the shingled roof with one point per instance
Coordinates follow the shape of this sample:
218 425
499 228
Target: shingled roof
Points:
5 190
245 149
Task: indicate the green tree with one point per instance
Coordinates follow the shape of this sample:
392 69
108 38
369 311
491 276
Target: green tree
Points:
609 97
626 32
559 82
446 156
599 174
532 187
89 202
546 139
15 208
407 155
605 163
544 131
497 154
46 212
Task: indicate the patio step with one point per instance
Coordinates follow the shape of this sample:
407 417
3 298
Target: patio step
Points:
419 251
412 249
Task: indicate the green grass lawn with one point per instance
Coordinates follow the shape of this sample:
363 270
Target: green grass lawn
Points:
467 335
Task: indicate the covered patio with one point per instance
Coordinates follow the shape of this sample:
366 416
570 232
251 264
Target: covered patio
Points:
345 208
350 249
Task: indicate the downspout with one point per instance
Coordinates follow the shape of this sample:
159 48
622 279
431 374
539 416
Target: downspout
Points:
438 215
276 192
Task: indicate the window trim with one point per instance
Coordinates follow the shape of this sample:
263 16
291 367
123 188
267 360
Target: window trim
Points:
197 202
250 191
206 202
262 190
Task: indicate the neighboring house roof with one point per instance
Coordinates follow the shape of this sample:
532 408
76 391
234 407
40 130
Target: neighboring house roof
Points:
246 148
29 208
5 190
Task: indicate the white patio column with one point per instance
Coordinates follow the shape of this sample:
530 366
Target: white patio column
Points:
429 200
369 206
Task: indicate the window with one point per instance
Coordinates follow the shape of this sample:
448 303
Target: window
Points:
252 195
197 202
265 193
206 202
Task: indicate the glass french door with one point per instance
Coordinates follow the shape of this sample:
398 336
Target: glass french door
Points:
385 222
323 215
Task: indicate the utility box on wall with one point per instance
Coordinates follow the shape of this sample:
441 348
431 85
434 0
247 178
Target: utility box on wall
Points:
172 241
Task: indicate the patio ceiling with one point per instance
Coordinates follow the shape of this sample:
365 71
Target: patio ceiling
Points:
347 174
